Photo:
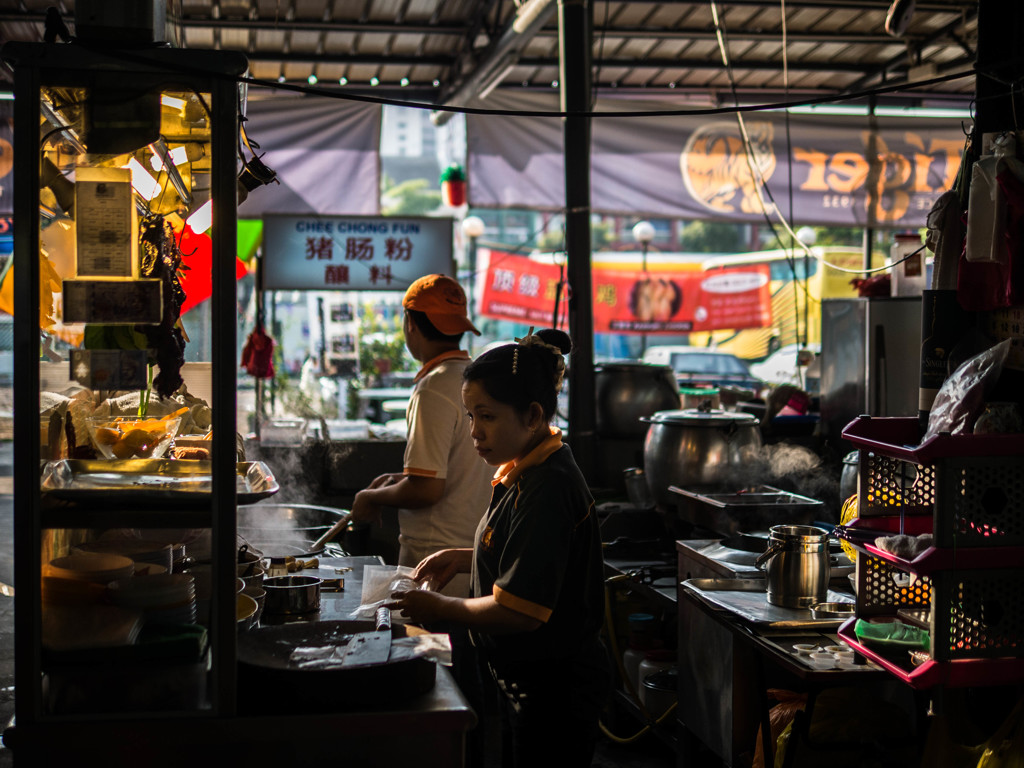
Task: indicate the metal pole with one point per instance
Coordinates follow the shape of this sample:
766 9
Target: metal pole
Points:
574 38
471 258
643 271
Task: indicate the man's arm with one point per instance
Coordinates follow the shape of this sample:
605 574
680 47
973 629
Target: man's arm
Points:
405 491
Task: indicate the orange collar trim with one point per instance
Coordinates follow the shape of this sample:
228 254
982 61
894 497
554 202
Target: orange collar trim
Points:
452 354
508 473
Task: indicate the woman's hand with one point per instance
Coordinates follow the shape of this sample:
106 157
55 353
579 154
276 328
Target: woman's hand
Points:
422 606
436 570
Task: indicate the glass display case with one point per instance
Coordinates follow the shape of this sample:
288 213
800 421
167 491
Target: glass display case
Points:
122 154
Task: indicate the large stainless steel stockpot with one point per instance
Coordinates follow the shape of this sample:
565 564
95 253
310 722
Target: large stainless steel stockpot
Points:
796 565
625 392
692 447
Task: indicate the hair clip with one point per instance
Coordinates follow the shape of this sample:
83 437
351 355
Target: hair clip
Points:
515 361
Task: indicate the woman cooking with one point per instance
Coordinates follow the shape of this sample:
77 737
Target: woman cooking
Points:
537 599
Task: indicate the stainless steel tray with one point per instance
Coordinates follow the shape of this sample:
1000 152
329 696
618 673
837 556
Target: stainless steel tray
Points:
747 599
749 509
149 481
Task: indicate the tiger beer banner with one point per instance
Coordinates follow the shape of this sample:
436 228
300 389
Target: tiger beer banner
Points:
524 290
823 170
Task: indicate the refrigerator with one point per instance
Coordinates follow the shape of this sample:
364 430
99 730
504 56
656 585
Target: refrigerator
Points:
870 360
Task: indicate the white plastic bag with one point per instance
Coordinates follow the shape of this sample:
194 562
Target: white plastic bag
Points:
961 399
379 581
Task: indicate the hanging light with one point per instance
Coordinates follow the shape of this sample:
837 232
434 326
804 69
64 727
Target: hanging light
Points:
142 181
201 219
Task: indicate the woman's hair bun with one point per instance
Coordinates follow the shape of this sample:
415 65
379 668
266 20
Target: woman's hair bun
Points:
556 338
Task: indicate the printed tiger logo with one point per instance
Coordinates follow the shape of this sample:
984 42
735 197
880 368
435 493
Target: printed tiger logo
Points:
485 539
715 169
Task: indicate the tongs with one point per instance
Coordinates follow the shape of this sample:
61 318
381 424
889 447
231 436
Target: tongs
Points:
343 521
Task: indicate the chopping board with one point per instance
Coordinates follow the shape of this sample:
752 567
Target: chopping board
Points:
271 679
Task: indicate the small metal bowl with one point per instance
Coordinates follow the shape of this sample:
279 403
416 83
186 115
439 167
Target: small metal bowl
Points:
291 594
833 610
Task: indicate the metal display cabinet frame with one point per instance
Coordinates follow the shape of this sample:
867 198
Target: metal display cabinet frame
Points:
39 68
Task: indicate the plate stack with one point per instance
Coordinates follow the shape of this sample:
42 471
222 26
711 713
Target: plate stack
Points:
168 598
140 550
96 568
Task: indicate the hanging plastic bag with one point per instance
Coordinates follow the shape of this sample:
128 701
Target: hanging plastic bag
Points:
961 399
1006 747
258 354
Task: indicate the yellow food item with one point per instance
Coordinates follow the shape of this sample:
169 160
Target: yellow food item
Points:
138 439
107 435
847 515
122 449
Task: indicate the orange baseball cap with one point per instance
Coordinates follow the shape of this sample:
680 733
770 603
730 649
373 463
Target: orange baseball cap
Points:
443 301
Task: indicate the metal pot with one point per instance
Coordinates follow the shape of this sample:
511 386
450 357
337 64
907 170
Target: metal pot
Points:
626 392
292 594
796 565
692 447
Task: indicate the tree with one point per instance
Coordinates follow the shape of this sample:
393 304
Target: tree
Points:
553 240
409 198
381 345
711 237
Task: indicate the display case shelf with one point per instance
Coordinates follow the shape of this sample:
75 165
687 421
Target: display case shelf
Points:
98 296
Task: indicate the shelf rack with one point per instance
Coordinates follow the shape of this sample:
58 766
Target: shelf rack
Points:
967 586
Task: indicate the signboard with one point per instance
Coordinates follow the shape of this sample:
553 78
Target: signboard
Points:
521 289
830 170
346 253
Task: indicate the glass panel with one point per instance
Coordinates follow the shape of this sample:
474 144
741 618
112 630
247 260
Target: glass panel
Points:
125 273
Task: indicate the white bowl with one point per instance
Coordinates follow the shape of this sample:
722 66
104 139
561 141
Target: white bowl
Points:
805 649
840 648
821 660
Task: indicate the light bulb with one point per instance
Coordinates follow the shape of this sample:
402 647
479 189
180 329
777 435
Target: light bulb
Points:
143 181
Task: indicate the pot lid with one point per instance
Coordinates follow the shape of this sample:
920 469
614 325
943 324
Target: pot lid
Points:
698 418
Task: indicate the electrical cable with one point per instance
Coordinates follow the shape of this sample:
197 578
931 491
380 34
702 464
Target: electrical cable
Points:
348 96
614 647
756 175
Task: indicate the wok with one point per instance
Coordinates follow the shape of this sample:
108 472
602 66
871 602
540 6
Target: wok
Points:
280 530
268 676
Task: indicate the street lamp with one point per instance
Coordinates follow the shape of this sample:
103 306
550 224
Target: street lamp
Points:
473 228
643 233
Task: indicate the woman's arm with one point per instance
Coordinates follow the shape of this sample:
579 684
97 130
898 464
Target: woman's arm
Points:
481 613
436 570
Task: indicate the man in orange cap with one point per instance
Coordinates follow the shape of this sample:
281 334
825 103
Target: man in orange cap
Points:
444 487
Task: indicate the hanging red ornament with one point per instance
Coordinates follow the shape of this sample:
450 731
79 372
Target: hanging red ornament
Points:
453 186
258 354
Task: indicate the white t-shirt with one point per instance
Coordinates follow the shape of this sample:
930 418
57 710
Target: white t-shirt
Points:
439 445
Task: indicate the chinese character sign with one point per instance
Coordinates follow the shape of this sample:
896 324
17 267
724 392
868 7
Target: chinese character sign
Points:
521 289
518 288
353 252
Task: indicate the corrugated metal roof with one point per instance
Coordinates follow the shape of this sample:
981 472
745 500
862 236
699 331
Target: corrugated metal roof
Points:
429 50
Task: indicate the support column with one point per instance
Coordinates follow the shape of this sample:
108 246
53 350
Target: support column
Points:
574 40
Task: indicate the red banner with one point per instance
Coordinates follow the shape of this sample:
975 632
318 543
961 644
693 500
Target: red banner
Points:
520 289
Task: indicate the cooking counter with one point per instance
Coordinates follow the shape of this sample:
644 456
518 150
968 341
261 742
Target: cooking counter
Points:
425 730
732 652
